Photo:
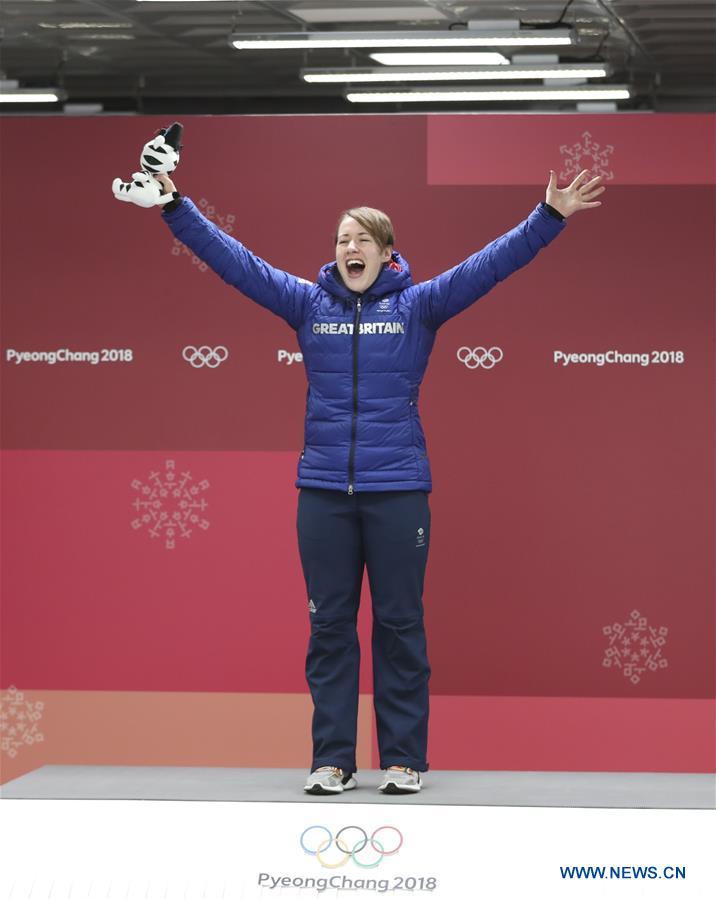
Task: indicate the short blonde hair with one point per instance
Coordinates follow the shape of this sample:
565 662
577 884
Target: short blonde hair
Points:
375 222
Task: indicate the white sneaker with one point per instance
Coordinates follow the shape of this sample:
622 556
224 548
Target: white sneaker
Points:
329 779
398 779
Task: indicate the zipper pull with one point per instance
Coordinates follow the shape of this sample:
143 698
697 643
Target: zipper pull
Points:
350 490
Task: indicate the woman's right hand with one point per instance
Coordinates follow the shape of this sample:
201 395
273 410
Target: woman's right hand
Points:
168 186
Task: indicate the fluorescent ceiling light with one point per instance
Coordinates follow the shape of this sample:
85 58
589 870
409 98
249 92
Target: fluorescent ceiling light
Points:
440 59
451 73
368 14
100 37
615 92
73 25
39 95
315 40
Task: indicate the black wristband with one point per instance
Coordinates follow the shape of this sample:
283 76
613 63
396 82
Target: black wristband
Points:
553 212
172 204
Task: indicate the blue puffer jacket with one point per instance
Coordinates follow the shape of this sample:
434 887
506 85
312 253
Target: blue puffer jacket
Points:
365 356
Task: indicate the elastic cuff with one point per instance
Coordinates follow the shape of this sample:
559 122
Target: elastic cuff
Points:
555 213
173 204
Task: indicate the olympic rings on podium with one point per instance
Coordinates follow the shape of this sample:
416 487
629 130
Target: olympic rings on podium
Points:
358 846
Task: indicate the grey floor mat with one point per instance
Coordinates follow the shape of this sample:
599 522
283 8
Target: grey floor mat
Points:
488 788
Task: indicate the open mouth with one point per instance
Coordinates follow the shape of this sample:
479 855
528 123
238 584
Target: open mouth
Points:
355 268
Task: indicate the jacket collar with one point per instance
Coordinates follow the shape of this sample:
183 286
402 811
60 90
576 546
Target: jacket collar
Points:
394 277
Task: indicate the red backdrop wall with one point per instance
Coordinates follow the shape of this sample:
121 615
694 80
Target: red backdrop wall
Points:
572 505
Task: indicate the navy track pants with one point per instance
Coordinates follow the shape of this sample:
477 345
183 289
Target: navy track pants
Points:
338 535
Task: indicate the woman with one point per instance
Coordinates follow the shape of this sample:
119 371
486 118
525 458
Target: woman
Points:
366 332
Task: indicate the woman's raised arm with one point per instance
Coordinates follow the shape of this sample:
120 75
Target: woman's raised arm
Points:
444 296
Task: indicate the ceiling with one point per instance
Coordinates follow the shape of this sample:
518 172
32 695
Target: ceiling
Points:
175 57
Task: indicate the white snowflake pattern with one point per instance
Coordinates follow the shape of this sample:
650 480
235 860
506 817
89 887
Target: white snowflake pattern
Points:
18 721
225 222
621 652
170 505
597 159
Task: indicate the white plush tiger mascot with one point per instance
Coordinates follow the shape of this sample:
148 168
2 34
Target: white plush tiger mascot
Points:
159 156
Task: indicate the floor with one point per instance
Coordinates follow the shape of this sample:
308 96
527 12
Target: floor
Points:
478 788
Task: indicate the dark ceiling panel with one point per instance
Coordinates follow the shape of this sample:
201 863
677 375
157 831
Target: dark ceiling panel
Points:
654 46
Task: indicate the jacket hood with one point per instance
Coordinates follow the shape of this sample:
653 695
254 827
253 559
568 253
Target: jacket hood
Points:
394 276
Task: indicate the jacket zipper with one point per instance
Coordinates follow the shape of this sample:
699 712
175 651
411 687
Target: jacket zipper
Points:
354 423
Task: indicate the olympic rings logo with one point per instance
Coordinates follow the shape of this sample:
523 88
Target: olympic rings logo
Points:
205 355
476 358
322 845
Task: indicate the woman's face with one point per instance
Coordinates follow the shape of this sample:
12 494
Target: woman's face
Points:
356 246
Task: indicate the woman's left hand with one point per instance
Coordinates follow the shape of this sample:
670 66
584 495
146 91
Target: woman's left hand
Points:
575 197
